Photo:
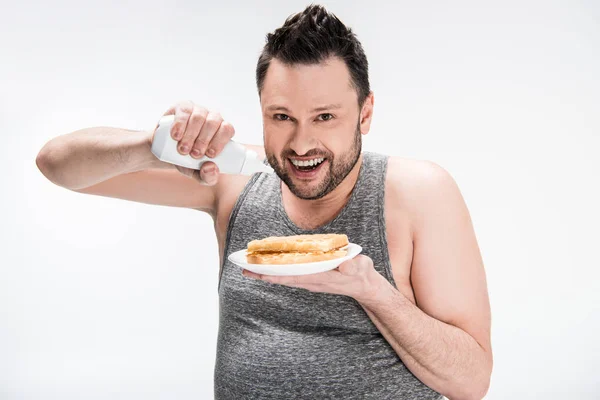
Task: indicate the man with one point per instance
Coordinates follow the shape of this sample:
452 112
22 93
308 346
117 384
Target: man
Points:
407 319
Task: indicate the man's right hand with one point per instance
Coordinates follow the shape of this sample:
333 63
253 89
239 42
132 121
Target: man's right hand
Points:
199 132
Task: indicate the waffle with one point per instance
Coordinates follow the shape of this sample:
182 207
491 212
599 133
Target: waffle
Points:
296 249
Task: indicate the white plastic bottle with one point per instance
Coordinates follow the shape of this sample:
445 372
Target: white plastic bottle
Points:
233 159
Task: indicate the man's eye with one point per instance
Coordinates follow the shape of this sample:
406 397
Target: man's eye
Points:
281 117
325 117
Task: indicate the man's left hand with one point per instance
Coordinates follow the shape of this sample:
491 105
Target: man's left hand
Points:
356 278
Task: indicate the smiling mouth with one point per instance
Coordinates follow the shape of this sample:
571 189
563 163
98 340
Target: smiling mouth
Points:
307 165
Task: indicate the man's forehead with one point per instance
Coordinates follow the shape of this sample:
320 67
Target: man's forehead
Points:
323 83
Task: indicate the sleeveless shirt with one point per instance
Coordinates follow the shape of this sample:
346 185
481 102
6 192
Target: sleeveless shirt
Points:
279 342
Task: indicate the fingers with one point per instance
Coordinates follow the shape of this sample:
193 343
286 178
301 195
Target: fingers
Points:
182 113
251 274
321 278
292 281
199 131
305 282
196 120
220 139
208 130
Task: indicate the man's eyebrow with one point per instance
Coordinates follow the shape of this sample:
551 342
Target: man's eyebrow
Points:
275 107
327 107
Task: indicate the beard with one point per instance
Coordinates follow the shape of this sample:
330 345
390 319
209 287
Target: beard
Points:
339 167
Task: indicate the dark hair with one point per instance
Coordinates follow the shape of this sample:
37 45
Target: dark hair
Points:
310 37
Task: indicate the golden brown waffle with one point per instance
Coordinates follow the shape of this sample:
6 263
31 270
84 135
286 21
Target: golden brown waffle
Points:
299 243
293 257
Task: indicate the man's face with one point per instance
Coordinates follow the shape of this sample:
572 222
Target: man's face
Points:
312 125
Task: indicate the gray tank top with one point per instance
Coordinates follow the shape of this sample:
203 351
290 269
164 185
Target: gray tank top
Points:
279 342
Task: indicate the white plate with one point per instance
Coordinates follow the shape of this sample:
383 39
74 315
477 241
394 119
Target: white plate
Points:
239 258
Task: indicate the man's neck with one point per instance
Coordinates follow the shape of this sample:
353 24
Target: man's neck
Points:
311 214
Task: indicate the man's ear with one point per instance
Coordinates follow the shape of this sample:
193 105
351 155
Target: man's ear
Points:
366 114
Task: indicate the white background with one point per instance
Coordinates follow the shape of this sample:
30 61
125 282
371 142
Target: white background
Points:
107 299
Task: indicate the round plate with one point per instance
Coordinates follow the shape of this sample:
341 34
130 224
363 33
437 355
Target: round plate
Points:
239 258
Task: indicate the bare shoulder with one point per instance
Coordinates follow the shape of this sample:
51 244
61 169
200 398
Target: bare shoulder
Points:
409 184
417 185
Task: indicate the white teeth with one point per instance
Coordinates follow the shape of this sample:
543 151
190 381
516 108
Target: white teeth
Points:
308 163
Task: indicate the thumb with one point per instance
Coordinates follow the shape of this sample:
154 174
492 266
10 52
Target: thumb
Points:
349 267
209 173
355 266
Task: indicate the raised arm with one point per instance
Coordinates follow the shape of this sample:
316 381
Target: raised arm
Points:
118 163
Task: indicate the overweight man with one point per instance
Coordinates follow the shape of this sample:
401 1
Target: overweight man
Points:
409 318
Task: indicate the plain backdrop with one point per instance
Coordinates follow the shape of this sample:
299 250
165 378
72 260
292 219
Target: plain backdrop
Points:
109 299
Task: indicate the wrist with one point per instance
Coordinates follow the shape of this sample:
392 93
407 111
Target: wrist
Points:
145 159
376 289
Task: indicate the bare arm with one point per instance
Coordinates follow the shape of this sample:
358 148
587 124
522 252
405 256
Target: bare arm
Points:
118 163
444 339
443 356
89 156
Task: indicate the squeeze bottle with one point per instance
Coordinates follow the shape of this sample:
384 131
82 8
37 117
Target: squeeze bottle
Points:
233 159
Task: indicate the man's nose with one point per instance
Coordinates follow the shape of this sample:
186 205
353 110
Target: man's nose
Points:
303 140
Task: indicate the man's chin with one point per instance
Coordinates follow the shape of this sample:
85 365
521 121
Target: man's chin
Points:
307 190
